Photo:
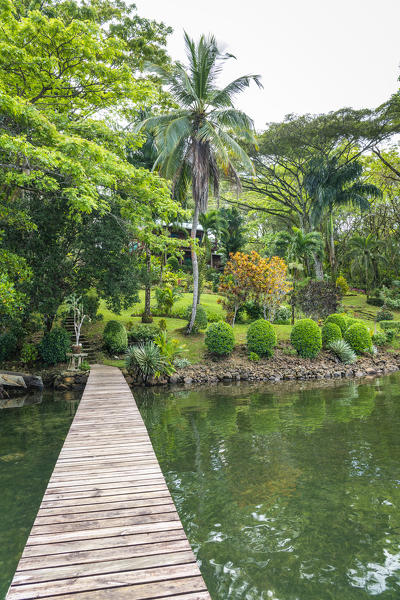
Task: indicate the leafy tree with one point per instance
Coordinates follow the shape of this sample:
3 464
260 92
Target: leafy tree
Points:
318 299
237 283
332 184
300 246
232 231
196 140
365 255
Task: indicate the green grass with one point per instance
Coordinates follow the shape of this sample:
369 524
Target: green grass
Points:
195 343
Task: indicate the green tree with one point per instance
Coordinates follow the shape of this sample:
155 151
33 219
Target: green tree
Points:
366 254
232 231
332 184
299 246
196 140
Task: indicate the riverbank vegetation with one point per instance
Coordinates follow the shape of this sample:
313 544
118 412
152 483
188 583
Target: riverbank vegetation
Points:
136 186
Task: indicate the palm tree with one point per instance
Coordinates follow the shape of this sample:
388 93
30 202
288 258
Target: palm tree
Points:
211 224
232 231
365 254
196 141
299 246
331 185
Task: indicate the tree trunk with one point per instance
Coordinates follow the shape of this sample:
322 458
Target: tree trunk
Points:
146 317
332 258
195 267
319 271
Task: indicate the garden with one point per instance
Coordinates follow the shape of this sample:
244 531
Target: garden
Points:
228 271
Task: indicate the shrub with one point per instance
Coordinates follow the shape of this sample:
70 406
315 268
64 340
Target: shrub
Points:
54 346
392 303
390 335
261 338
85 366
173 264
181 363
170 348
306 338
352 321
115 337
8 345
375 301
220 339
384 315
341 283
318 298
146 360
343 351
254 357
29 353
390 325
162 325
253 309
143 333
330 333
358 337
213 316
339 320
379 338
283 315
201 321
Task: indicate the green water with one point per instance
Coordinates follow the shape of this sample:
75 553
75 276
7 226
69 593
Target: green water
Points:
286 492
31 437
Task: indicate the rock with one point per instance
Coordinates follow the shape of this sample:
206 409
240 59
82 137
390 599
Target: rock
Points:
370 371
174 378
359 374
7 380
31 381
187 380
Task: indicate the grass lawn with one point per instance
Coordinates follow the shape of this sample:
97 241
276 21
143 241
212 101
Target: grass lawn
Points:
195 343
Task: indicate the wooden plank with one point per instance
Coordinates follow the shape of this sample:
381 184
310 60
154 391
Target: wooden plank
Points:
107 526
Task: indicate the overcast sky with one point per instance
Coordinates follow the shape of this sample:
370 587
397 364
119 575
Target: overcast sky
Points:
313 55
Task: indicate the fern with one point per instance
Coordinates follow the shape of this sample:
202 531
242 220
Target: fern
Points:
343 351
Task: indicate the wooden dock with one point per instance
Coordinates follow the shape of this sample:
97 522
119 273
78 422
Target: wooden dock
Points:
107 527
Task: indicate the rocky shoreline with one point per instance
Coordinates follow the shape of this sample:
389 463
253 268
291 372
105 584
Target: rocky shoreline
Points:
284 366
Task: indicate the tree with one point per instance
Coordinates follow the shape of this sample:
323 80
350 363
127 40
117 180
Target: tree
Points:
232 231
332 184
196 140
272 284
365 254
300 246
237 283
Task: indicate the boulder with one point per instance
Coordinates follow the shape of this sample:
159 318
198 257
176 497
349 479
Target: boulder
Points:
31 381
7 380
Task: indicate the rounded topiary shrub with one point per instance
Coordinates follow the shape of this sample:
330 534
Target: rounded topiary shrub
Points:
219 339
201 320
359 338
384 315
306 338
115 337
339 320
352 321
54 346
261 338
330 333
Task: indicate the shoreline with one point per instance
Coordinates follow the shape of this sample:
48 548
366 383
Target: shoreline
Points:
281 367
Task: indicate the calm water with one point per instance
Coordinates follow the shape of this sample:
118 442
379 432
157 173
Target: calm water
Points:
31 437
286 493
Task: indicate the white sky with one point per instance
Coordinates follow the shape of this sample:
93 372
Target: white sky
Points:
313 55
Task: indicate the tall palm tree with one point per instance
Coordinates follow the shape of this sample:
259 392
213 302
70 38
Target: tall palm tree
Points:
365 254
197 140
331 185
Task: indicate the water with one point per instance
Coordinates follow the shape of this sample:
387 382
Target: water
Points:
286 492
31 437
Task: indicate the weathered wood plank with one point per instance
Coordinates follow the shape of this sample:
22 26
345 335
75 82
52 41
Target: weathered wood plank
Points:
107 526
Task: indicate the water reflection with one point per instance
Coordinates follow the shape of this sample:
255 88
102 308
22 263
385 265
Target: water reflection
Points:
288 492
31 435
